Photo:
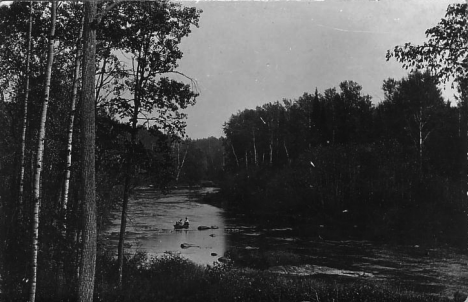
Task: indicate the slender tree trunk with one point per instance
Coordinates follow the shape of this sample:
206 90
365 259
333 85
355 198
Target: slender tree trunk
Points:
123 226
66 186
40 156
71 120
235 155
25 113
123 221
420 149
88 143
179 168
271 150
255 148
463 130
465 140
129 170
178 154
246 160
287 152
101 77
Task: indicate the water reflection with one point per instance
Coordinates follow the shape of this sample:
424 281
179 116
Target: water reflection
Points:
151 219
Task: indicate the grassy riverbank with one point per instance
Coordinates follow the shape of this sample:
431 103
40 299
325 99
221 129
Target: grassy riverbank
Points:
172 278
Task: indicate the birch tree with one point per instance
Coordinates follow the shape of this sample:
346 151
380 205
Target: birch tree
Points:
40 154
77 67
25 111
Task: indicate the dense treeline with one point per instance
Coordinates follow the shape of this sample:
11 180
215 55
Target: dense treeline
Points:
199 161
138 119
336 164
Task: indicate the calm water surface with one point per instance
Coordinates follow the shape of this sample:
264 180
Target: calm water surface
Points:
151 219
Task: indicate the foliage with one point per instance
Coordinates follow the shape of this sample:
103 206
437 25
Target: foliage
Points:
445 52
149 33
367 172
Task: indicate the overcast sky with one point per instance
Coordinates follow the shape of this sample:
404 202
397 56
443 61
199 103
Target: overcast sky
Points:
246 54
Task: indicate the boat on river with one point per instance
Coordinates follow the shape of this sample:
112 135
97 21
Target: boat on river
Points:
178 226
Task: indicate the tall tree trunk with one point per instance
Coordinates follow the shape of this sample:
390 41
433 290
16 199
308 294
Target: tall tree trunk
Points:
25 112
66 186
129 170
88 143
40 156
465 139
126 195
71 120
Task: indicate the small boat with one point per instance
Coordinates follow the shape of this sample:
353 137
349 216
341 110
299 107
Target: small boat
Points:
181 226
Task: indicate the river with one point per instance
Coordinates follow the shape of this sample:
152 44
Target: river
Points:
150 228
151 219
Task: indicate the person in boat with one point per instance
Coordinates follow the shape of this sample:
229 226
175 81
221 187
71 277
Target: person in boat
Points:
179 222
186 222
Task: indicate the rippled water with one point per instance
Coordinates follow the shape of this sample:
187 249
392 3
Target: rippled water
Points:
151 217
440 271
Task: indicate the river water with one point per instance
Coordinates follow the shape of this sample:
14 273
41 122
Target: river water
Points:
151 219
150 228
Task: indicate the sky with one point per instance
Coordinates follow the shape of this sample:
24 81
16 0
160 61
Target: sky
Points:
248 53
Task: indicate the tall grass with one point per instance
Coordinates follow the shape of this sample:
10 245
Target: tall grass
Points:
173 278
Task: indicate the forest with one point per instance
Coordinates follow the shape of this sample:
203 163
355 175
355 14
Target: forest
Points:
82 127
391 171
92 108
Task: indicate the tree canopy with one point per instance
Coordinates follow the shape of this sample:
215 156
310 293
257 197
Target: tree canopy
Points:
445 53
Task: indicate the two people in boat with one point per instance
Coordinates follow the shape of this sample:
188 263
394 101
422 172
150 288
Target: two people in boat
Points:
183 223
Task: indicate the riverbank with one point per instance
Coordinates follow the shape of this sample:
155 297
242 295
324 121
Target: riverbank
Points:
172 278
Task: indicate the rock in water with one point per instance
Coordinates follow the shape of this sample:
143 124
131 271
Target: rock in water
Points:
187 245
